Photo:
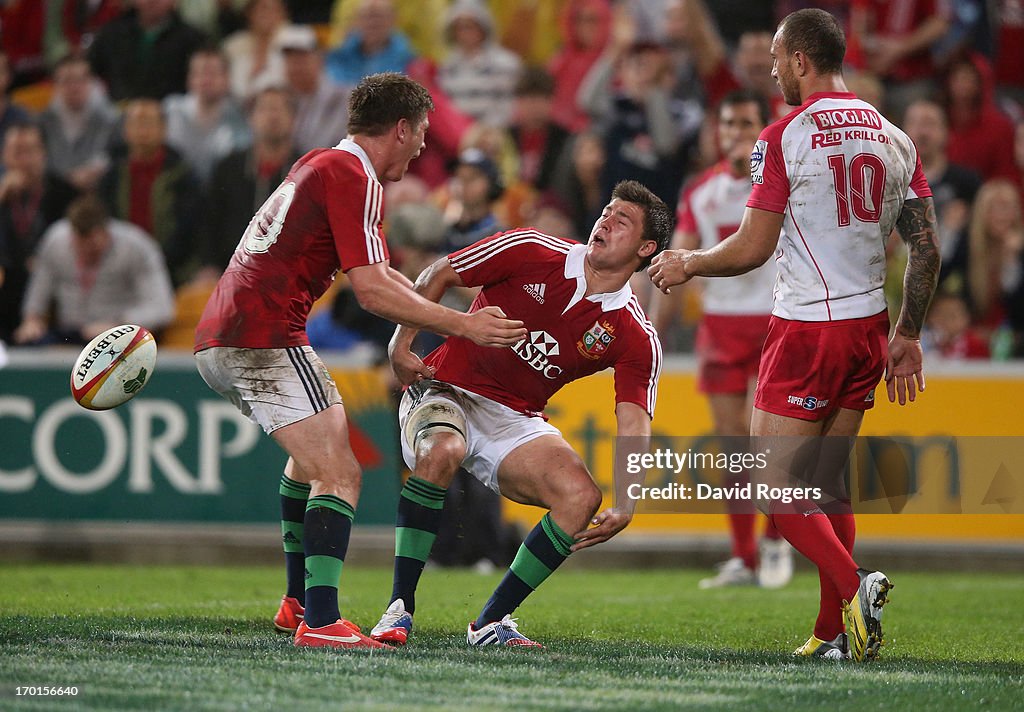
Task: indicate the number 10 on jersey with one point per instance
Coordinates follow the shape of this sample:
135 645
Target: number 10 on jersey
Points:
860 188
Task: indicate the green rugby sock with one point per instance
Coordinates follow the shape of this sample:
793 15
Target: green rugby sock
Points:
419 518
293 512
327 526
543 551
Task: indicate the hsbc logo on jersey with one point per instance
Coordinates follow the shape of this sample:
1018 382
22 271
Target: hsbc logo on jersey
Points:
757 162
537 351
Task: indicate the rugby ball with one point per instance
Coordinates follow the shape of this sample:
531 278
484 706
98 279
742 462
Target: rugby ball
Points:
113 367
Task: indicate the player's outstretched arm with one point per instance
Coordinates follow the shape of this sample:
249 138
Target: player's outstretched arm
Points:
746 249
663 307
633 423
904 372
385 296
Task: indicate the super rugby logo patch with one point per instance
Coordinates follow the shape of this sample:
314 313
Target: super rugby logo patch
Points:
595 342
757 162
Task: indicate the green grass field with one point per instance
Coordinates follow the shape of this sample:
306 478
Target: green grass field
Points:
193 638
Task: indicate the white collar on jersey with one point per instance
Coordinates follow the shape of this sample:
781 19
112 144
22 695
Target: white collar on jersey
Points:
609 301
347 144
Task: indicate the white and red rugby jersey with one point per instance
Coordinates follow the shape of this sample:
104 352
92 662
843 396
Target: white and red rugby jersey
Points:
539 279
840 172
325 216
712 208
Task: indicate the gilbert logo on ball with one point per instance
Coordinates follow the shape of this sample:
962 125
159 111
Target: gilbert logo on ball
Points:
113 367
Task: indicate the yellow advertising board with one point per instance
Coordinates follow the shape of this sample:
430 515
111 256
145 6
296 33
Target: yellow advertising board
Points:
960 404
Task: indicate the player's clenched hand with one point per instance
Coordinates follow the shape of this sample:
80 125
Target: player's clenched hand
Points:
607 524
669 269
408 367
904 369
489 327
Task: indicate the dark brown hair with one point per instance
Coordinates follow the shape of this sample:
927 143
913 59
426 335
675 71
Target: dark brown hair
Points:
658 219
86 214
817 35
382 100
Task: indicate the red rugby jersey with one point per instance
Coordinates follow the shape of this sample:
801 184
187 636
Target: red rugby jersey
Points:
325 216
539 279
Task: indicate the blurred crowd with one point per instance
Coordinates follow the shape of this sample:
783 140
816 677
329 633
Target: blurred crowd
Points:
139 137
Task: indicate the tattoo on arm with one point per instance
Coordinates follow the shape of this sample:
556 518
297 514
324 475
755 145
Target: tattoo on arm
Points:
916 226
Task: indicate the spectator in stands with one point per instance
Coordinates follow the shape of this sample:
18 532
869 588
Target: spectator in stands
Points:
1009 56
586 27
78 125
244 179
205 124
31 199
145 51
479 75
94 273
475 186
995 263
80 20
541 142
448 128
497 144
217 19
867 87
23 24
10 113
373 45
581 191
1018 154
897 37
647 132
980 133
548 214
310 12
953 187
948 332
416 233
254 53
753 68
153 187
321 105
702 64
415 20
528 29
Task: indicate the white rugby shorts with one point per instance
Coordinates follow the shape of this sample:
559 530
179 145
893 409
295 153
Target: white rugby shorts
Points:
492 430
271 387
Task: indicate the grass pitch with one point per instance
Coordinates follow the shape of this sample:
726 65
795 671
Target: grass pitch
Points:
198 638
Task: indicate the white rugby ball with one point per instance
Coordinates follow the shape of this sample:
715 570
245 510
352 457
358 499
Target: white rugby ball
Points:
113 367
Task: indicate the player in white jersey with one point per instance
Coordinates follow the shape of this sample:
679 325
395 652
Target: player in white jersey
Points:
732 329
839 178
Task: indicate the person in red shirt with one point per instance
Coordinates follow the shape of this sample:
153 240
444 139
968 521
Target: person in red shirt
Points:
948 332
252 348
980 134
483 410
585 28
897 37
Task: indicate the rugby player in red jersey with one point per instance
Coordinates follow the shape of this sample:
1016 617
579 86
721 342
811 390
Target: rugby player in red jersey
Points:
483 409
251 344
